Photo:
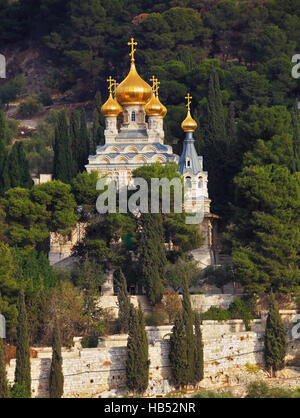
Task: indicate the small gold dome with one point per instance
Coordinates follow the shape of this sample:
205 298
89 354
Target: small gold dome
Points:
155 108
133 90
111 107
189 124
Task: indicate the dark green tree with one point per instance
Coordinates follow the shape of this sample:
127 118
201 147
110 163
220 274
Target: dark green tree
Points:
75 140
3 151
231 124
137 363
188 319
23 368
178 352
199 362
4 393
215 112
123 303
275 348
63 168
265 238
216 149
84 141
152 256
19 174
56 378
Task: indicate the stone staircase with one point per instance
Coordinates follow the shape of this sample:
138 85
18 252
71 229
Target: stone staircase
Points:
143 301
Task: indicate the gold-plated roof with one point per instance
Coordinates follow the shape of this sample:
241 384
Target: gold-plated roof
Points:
189 124
154 107
111 107
133 90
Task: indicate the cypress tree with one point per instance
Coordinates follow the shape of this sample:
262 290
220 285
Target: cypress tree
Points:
188 319
75 140
178 352
18 167
98 105
152 259
84 141
216 149
215 111
124 304
95 128
97 132
56 378
275 339
137 363
4 393
23 371
14 170
199 362
62 164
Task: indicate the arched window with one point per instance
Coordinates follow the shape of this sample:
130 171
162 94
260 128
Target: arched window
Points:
199 182
188 182
133 116
188 163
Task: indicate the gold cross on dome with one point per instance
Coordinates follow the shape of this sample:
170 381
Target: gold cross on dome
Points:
110 80
157 83
115 85
153 79
132 44
189 99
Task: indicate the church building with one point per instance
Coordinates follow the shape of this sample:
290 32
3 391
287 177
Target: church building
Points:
134 136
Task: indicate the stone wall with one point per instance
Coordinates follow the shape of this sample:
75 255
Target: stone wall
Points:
228 350
61 246
200 303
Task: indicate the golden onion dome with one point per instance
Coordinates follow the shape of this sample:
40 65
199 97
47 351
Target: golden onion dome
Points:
189 124
111 107
155 108
133 90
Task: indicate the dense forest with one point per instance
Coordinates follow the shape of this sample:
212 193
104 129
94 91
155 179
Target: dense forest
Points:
234 57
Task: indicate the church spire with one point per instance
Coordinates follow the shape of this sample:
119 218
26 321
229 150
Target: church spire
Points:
189 124
189 161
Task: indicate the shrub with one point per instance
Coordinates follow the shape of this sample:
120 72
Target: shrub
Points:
89 341
239 310
251 369
215 313
172 304
211 394
261 389
11 129
19 391
45 98
157 318
29 106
